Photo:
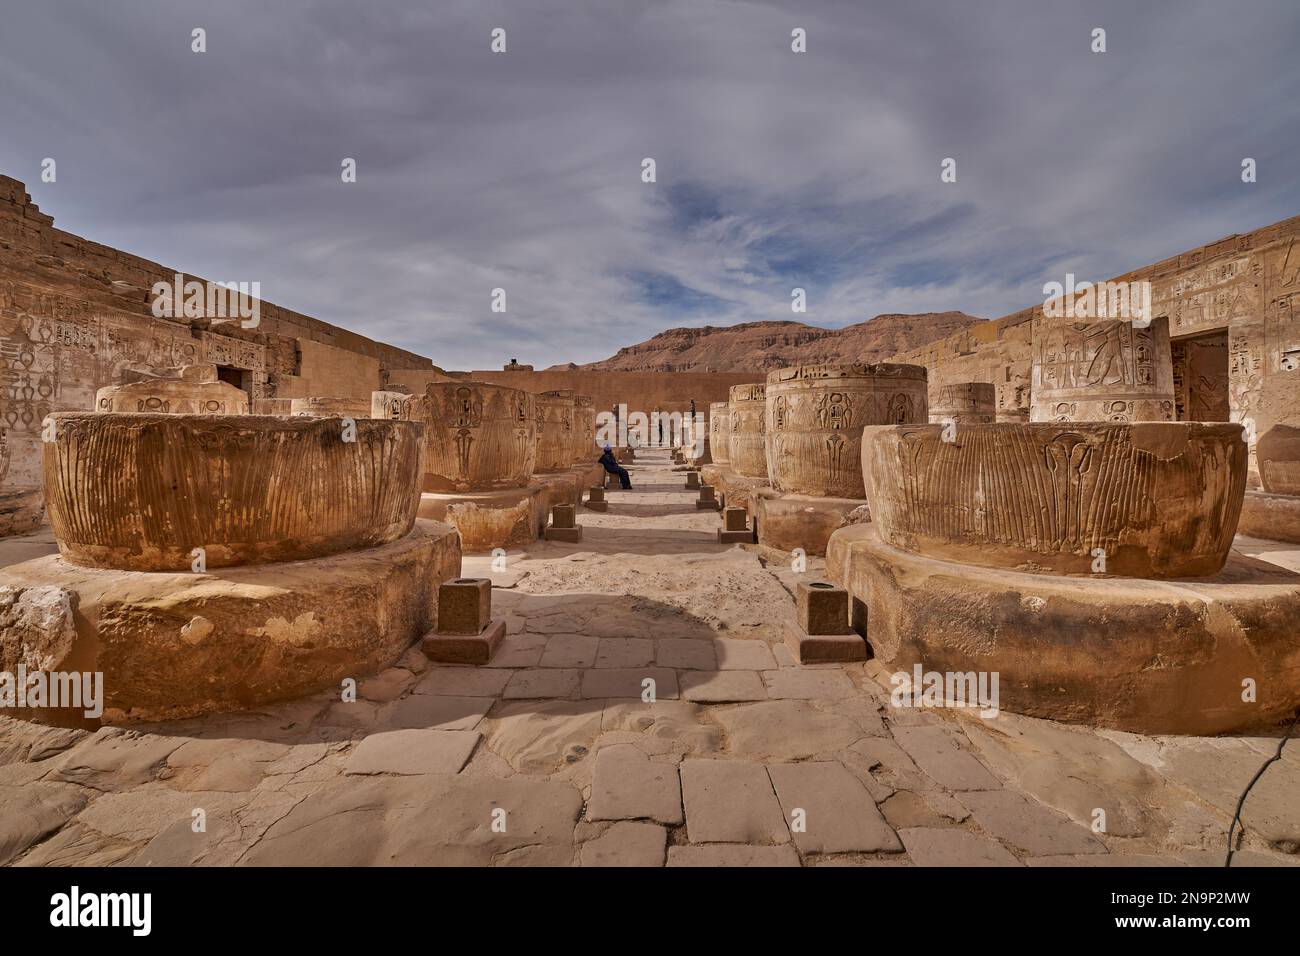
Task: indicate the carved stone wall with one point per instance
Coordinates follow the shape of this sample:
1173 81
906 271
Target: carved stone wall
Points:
748 446
720 432
477 437
1103 370
75 314
1247 285
555 442
970 402
141 492
814 420
1151 500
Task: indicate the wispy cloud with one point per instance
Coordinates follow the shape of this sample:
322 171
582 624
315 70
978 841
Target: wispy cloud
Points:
522 170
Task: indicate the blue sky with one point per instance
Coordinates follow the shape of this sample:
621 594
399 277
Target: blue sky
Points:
522 170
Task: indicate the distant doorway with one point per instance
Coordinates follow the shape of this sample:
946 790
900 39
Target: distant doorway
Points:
238 377
1201 378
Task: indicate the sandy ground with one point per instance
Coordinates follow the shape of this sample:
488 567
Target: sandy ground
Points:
552 755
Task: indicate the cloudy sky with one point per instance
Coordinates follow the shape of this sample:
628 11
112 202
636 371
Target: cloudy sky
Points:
522 170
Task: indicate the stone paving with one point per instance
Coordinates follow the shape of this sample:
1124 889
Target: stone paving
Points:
642 711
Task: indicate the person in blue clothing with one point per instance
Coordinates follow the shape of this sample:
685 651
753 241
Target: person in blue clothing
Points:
611 465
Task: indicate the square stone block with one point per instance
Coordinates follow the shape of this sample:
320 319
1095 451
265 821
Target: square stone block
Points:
706 495
692 480
464 605
465 648
823 608
562 516
572 535
596 493
597 505
703 505
734 519
824 648
735 537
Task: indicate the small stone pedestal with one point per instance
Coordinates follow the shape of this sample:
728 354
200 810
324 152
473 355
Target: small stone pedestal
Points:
563 526
692 480
734 528
821 633
596 499
706 501
466 633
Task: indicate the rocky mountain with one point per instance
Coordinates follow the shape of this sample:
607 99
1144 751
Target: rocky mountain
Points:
754 346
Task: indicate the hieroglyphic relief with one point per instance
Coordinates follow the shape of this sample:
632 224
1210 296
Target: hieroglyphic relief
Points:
1159 499
748 409
816 414
1107 369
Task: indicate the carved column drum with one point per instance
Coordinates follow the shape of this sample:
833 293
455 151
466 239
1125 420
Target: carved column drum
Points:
1143 500
815 417
324 407
1101 370
720 432
584 430
555 412
748 406
970 402
142 492
478 437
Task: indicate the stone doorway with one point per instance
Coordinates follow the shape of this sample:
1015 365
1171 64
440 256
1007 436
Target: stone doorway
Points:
238 377
1201 378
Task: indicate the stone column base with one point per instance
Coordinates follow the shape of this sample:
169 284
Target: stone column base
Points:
801 521
1153 657
731 488
490 519
173 645
1276 517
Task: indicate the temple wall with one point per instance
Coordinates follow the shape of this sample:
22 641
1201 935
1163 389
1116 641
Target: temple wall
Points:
1247 285
74 314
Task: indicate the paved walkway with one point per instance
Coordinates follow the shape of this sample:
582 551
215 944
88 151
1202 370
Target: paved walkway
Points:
642 711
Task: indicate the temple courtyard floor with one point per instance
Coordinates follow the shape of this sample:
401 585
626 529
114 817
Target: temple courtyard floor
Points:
550 755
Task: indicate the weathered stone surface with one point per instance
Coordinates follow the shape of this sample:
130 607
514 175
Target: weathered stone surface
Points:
735 654
542 682
37 628
785 730
32 812
555 419
731 802
419 821
814 420
410 752
936 753
428 711
808 684
1158 499
732 854
627 844
950 846
540 737
681 652
630 682
463 682
628 785
839 816
464 605
173 645
1143 656
1028 826
721 687
141 492
496 518
114 759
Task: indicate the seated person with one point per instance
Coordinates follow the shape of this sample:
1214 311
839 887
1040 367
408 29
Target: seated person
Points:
611 465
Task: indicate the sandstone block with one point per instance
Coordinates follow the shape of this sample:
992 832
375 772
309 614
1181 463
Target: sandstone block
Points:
464 605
